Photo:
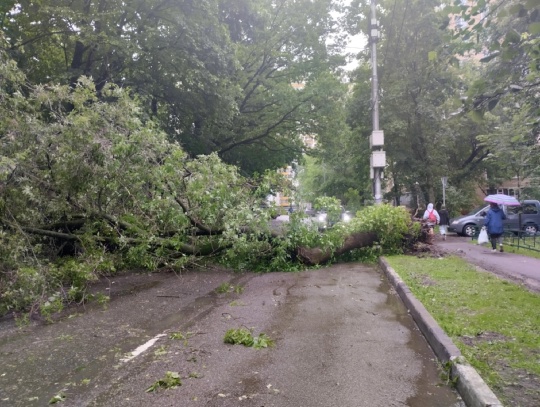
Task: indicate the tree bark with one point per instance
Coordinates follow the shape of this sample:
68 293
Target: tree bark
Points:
315 256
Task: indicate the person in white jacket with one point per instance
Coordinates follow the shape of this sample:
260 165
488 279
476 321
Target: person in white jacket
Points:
432 217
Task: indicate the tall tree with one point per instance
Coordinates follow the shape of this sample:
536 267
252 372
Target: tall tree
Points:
503 96
422 85
284 56
415 87
217 75
340 160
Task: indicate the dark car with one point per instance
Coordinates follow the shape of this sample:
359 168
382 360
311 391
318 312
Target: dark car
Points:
525 217
468 224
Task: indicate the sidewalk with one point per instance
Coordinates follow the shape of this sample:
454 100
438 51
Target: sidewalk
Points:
514 267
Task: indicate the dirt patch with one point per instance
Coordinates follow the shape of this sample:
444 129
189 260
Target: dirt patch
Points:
483 337
427 282
425 250
519 387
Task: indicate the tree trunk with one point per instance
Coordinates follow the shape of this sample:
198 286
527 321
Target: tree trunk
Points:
314 256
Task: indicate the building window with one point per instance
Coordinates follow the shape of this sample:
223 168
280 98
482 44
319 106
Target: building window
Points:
507 191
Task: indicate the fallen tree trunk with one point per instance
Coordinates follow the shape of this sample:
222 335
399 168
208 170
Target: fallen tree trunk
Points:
316 255
306 255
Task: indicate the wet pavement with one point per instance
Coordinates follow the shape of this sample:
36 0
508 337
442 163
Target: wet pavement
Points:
342 338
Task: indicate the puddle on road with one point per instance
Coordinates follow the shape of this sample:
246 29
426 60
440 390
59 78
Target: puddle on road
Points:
426 390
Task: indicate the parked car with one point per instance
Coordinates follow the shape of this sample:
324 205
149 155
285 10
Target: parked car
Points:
346 216
525 217
321 218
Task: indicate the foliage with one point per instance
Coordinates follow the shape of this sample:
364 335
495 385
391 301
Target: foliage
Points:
392 224
91 183
90 179
180 335
287 76
414 99
225 288
217 76
58 398
513 145
503 96
460 200
171 380
329 204
243 336
300 233
339 164
435 95
369 255
467 305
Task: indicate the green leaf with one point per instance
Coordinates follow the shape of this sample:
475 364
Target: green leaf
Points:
515 8
170 381
490 57
492 103
532 4
57 398
534 28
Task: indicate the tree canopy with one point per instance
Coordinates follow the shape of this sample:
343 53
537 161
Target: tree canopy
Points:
435 92
216 76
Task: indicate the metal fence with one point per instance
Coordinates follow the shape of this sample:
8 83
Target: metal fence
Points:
520 238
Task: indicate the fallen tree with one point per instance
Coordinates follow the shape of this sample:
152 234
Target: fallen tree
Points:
315 255
89 187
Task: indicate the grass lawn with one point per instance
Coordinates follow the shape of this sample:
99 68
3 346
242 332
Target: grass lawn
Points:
495 323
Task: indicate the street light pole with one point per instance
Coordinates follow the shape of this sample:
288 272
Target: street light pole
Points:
444 180
378 155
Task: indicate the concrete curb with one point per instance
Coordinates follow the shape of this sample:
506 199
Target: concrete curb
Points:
471 387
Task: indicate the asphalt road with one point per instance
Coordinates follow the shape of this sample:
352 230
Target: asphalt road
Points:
342 338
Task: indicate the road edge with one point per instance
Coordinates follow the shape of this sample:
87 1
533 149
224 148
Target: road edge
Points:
471 387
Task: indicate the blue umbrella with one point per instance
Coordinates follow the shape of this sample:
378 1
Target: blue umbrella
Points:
502 199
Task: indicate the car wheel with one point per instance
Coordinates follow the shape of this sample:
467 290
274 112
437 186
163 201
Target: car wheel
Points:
469 230
531 229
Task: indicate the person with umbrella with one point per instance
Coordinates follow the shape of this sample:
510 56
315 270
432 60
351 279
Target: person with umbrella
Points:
494 225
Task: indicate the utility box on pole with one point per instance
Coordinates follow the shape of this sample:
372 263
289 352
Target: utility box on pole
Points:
376 139
378 159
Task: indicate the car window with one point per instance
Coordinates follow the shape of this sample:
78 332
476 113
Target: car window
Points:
530 209
478 211
513 210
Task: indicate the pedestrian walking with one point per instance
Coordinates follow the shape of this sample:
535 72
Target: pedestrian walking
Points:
444 222
431 216
495 227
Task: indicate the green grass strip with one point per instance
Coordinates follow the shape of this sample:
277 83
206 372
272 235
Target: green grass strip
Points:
523 250
495 323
